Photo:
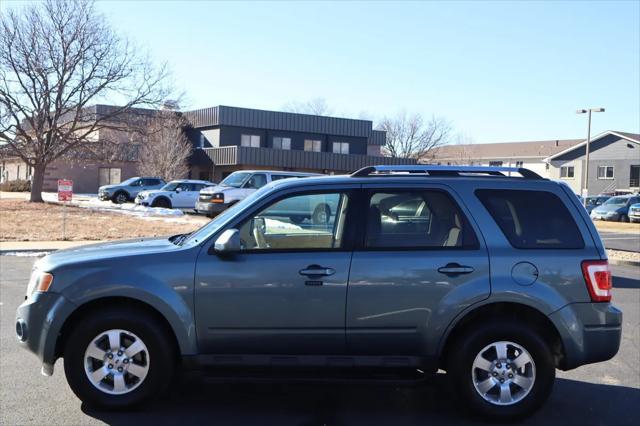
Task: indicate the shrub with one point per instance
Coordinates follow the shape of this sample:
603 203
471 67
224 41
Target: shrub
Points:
16 186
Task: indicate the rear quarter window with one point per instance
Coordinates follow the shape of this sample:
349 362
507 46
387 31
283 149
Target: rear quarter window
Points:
532 219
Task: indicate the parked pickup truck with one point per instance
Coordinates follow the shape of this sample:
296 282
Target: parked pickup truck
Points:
238 186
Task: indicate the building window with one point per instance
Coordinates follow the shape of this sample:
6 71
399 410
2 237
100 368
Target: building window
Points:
567 172
519 163
252 141
495 163
281 143
108 175
201 143
605 172
340 147
312 145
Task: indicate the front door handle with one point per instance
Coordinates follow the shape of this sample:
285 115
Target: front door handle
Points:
317 271
455 269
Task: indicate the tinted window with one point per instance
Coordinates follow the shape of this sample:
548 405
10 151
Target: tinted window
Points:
421 219
278 177
311 221
532 219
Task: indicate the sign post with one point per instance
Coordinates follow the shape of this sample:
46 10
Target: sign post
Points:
65 194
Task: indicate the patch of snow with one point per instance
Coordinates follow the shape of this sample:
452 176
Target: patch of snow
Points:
91 201
25 253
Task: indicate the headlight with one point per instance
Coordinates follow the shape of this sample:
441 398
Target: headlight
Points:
40 281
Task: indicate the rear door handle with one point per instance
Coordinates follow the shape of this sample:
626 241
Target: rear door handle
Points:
317 271
455 269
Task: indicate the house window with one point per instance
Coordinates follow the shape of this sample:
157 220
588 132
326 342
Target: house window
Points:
281 143
567 172
201 144
108 175
252 141
495 163
605 172
340 147
519 163
312 145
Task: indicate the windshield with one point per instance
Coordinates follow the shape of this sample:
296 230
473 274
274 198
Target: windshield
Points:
217 222
171 186
235 179
616 201
129 181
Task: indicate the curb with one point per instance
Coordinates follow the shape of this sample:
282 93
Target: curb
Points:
622 262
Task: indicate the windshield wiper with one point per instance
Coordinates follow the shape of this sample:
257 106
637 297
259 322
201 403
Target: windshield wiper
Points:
179 239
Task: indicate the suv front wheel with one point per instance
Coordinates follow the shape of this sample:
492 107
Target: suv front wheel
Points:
115 360
502 371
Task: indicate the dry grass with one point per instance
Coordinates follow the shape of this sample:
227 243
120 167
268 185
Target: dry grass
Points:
631 228
24 221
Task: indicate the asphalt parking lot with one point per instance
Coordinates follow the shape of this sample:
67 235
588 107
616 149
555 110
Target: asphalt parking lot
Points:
629 241
601 394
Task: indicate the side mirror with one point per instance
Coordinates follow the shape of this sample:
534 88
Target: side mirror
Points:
179 189
228 242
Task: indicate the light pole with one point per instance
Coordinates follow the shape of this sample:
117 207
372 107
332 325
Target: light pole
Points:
585 187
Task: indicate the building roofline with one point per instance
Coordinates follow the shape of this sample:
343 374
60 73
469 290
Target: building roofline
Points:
595 138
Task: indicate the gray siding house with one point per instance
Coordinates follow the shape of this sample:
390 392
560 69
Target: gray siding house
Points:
614 164
241 138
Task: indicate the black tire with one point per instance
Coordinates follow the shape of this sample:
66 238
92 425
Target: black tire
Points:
296 219
120 197
321 214
467 346
624 218
161 357
161 202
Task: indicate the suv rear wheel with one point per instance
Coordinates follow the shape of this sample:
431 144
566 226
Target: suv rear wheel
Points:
115 360
502 370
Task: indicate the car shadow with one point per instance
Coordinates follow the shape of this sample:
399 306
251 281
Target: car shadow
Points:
624 282
191 401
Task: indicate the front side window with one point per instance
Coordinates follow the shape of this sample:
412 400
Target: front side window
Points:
281 143
340 147
299 222
567 172
605 172
420 219
256 181
313 145
532 219
252 141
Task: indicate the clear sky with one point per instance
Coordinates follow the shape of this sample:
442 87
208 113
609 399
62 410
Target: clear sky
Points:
499 71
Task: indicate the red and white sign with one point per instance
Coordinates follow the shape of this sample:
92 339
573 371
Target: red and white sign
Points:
65 190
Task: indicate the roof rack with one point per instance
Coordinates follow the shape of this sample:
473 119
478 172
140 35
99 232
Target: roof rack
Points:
449 171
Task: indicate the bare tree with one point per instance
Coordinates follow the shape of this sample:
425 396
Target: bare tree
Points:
56 59
409 136
317 106
166 150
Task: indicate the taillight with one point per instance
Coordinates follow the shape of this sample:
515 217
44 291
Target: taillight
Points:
597 275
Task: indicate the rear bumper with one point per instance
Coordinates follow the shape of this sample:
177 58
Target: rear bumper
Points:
38 323
591 332
205 207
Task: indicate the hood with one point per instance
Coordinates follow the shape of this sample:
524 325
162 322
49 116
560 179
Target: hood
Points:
608 208
152 192
107 187
102 251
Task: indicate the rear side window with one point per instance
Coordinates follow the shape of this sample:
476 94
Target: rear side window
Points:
532 219
417 219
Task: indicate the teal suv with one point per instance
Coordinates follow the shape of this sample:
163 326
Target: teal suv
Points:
495 275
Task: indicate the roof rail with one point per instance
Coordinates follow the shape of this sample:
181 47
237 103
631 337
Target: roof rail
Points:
428 170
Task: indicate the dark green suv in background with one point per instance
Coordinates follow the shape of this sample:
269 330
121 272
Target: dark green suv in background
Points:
496 278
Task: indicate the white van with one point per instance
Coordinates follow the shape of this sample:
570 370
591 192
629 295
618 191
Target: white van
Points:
237 186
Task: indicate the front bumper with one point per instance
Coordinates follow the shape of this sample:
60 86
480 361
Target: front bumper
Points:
39 320
206 207
591 332
605 216
104 196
